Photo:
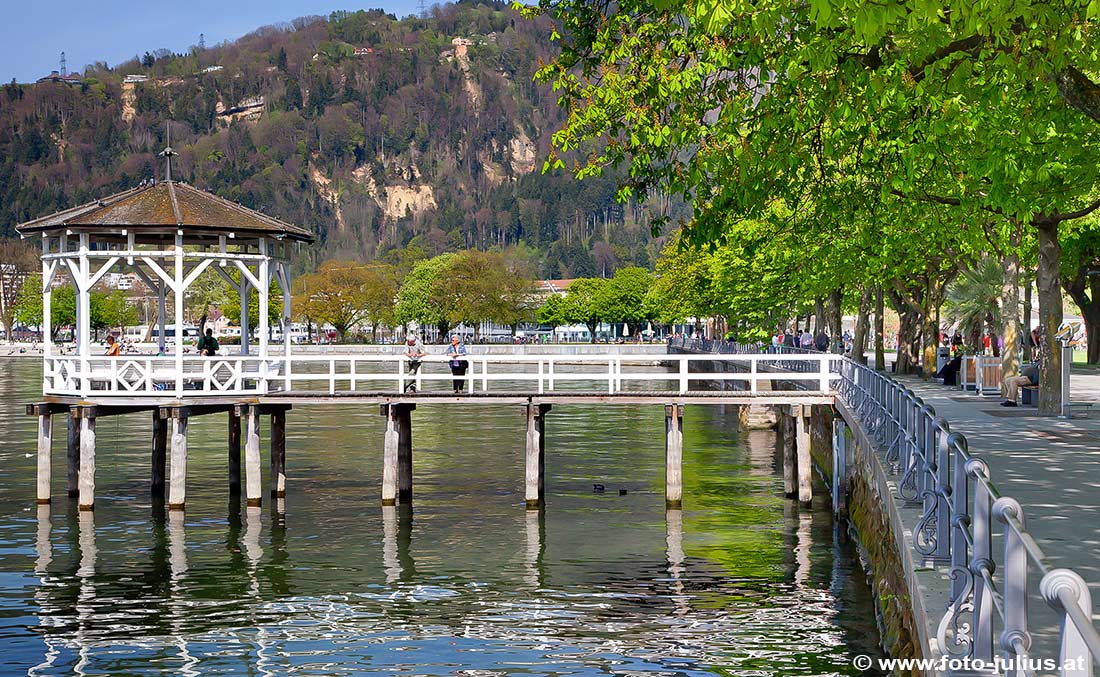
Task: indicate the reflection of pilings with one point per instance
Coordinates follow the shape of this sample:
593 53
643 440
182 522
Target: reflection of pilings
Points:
390 564
85 607
674 544
535 548
43 550
674 453
252 548
404 542
804 542
278 454
177 545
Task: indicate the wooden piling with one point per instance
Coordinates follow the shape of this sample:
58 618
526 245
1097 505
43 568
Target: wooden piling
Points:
397 454
177 486
72 454
252 456
535 467
159 455
790 467
86 479
674 452
45 448
805 494
278 454
234 453
404 453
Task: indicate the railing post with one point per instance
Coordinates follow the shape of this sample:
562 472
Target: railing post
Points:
683 374
981 561
1065 591
943 491
824 372
960 509
1015 639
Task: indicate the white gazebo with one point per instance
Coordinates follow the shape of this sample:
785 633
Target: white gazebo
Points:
168 234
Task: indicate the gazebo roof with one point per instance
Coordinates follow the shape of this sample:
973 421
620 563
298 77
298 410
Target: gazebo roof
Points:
166 205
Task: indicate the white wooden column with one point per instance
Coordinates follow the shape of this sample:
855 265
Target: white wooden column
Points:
47 297
252 456
178 274
285 284
162 317
177 483
83 304
86 478
263 325
245 329
45 447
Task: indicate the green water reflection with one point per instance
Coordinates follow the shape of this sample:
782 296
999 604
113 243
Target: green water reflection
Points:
464 582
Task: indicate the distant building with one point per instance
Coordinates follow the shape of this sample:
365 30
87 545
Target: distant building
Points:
213 69
558 287
132 79
69 79
363 51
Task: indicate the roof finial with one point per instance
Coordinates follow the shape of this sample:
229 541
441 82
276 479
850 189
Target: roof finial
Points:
168 153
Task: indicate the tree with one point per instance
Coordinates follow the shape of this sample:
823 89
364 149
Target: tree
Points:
231 307
17 262
118 310
582 303
336 294
423 296
208 291
622 298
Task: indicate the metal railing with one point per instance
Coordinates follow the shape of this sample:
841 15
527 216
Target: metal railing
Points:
961 510
244 375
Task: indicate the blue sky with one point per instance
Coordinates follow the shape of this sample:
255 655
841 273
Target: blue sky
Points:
33 33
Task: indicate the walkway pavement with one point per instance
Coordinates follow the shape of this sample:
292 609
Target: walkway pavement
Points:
1050 465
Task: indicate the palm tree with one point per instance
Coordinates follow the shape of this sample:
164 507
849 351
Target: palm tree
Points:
974 300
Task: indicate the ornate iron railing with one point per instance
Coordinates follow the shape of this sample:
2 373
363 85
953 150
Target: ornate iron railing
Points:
961 511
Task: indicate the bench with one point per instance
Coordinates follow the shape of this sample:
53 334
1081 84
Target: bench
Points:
1029 395
1080 409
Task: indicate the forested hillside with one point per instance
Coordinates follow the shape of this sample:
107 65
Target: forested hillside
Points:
373 132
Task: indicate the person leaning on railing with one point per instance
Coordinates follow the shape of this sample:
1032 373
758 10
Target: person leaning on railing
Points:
1029 376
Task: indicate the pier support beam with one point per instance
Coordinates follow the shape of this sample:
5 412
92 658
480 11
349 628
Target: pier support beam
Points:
234 453
159 455
535 486
397 454
252 456
45 448
805 494
86 478
790 467
72 455
674 454
177 487
278 454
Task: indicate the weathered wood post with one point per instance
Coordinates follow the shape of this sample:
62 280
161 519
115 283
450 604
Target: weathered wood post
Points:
45 449
72 454
397 454
674 454
177 483
535 474
86 479
840 468
805 493
790 479
278 453
252 455
234 453
159 454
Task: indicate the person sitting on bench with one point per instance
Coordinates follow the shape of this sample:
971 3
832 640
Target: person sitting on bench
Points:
950 371
1029 376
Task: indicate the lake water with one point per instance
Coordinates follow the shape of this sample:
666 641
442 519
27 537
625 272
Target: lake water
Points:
466 582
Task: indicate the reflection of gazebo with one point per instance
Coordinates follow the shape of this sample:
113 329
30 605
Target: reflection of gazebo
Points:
168 233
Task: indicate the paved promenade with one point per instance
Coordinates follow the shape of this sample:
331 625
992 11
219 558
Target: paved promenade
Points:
1051 465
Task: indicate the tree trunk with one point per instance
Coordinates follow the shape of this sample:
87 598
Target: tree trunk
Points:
1085 292
1010 315
880 328
592 330
1029 354
1050 317
819 315
930 326
835 319
859 337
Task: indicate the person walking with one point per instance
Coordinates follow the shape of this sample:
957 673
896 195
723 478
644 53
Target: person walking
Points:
458 365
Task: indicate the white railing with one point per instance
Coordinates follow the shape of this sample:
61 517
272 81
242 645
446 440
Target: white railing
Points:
198 376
